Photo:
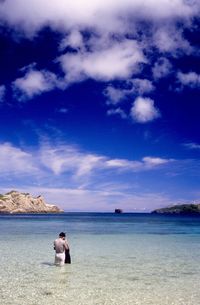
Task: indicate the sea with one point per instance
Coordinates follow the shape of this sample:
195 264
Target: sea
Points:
117 259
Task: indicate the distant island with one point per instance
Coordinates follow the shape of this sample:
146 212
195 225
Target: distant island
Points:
15 202
182 209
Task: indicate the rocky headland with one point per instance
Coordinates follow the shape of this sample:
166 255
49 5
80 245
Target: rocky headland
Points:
182 209
15 202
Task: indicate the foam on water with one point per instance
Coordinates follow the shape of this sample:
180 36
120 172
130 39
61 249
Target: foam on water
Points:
107 268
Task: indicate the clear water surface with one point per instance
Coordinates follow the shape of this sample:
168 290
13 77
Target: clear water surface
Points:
116 260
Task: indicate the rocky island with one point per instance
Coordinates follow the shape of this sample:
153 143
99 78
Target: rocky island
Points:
182 209
15 202
118 211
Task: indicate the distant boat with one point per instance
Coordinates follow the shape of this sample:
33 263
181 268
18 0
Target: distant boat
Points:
118 211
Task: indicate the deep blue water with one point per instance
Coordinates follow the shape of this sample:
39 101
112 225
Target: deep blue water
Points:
100 223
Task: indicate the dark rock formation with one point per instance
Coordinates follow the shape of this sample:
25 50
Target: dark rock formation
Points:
118 211
182 209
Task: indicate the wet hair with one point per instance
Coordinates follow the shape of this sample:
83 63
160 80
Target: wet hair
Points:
62 234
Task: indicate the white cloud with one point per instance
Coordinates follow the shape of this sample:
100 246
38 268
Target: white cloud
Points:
116 61
46 166
134 86
105 53
192 145
68 159
143 110
145 164
140 86
191 79
114 95
33 83
117 111
124 164
169 39
57 160
105 16
73 40
161 68
14 160
65 158
151 162
84 167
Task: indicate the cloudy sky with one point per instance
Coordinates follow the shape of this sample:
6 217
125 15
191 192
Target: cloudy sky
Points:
99 102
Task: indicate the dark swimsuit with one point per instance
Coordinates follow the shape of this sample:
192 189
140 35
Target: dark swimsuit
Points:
67 257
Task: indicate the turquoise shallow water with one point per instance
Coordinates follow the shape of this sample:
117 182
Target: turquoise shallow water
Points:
116 260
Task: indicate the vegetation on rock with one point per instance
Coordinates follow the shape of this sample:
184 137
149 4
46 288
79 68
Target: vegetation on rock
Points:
182 209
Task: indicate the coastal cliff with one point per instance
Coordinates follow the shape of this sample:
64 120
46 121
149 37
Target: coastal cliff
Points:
182 209
16 202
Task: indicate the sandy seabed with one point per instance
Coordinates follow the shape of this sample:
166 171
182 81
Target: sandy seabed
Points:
124 265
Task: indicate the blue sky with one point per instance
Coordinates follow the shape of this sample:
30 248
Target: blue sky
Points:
99 102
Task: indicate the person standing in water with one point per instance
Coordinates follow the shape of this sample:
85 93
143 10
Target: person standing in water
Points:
60 246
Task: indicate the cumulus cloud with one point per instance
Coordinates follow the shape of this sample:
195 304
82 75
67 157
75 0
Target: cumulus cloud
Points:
106 16
114 95
190 79
116 61
140 86
115 43
143 110
73 40
134 86
161 68
34 82
169 39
